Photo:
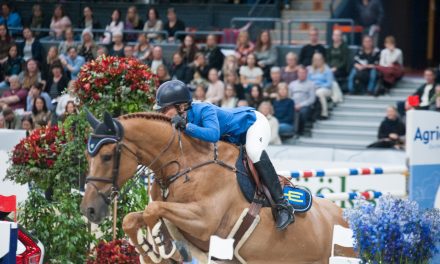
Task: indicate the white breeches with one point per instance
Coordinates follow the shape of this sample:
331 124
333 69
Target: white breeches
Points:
257 137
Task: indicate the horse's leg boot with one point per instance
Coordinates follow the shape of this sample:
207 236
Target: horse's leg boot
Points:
284 210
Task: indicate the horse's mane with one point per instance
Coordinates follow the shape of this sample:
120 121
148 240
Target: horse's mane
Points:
148 116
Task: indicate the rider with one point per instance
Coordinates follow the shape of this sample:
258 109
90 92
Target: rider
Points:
242 125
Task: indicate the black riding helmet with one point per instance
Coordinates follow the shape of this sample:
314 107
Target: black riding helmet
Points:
172 93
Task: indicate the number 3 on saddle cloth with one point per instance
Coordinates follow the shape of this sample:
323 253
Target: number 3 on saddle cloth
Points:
299 198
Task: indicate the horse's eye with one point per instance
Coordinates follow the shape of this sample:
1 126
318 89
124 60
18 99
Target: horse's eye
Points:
106 157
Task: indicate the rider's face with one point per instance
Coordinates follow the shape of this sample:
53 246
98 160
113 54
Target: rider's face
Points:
170 111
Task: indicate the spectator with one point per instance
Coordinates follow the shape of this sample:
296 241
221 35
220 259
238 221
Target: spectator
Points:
435 100
188 49
307 52
284 110
200 93
369 14
364 72
173 25
116 25
178 70
337 57
391 63
231 78
27 124
143 49
101 51
59 23
40 114
12 120
12 66
266 109
37 20
88 21
69 41
132 22
426 92
15 97
30 75
52 58
157 59
5 42
129 51
2 121
391 131
321 75
250 74
230 64
244 47
73 63
37 91
289 72
57 83
117 49
302 92
9 17
69 110
162 74
242 103
65 98
88 48
153 24
255 96
265 52
216 88
230 100
270 91
30 48
199 70
213 54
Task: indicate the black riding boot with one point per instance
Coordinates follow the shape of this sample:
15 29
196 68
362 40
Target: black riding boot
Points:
284 210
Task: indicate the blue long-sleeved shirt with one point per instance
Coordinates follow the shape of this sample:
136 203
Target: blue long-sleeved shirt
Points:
76 64
284 110
13 20
322 79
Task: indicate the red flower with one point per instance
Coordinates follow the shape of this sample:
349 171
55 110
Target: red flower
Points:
96 97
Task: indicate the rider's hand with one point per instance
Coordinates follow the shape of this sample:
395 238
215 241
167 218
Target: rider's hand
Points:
179 122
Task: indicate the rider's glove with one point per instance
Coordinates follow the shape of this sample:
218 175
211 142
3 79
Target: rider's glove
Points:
179 122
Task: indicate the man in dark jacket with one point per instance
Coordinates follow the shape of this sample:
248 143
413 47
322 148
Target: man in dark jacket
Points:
370 15
173 25
306 53
391 131
213 55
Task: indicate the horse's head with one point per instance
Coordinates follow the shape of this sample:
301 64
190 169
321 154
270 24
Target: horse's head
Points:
111 163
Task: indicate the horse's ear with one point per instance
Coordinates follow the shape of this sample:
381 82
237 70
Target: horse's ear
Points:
108 121
92 119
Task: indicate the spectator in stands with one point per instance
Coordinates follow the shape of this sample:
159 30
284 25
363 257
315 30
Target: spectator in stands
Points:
230 64
267 110
132 22
40 114
199 93
27 124
37 20
117 49
58 82
435 100
179 70
255 96
12 120
30 48
390 63
369 14
162 74
270 91
173 25
307 52
65 98
129 51
265 52
73 63
426 92
12 66
231 78
153 24
250 74
51 58
199 69
157 59
143 49
69 41
213 54
88 21
284 110
9 17
363 72
337 57
321 75
244 47
15 97
88 48
289 72
102 50
30 75
230 100
59 23
391 131
69 110
216 88
116 25
302 92
5 42
2 121
37 91
188 49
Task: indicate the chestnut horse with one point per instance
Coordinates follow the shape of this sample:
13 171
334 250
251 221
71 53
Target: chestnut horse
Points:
205 201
